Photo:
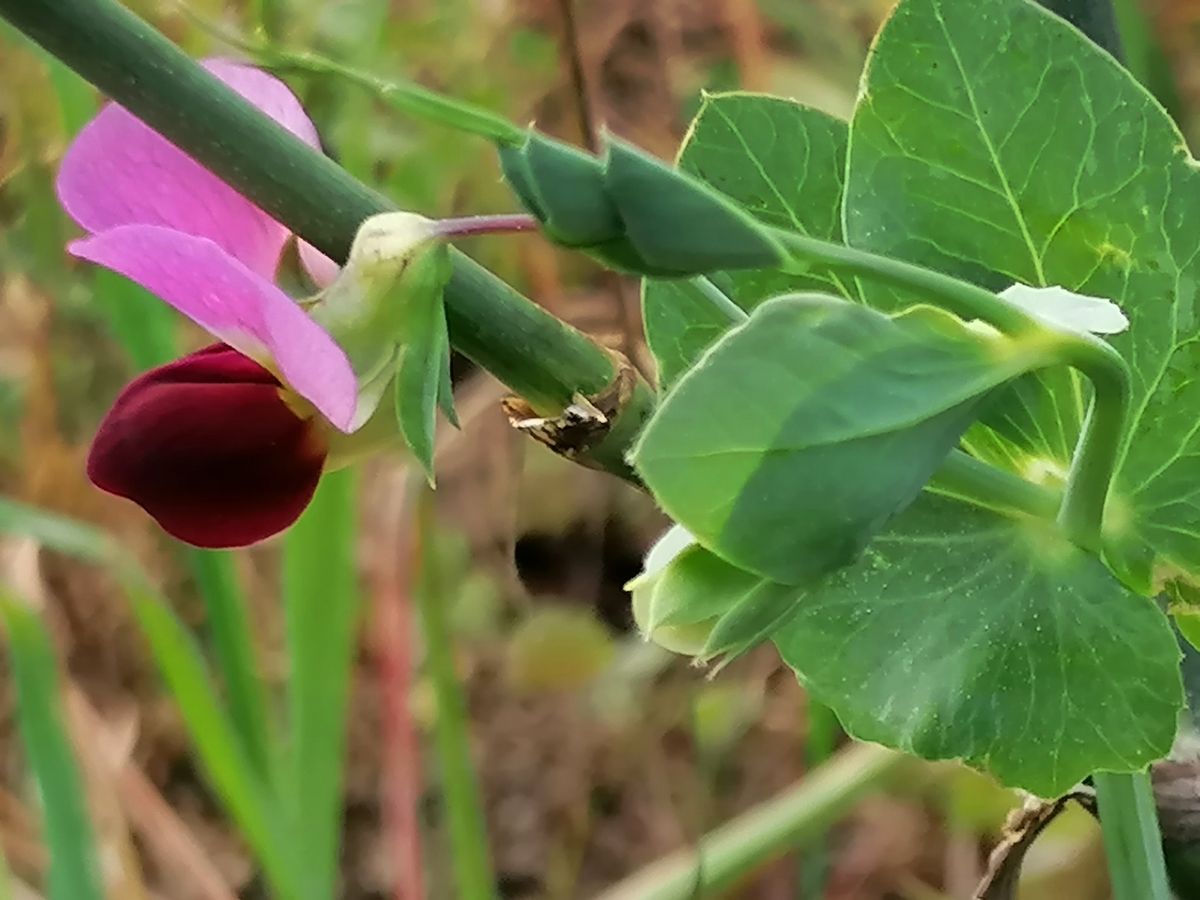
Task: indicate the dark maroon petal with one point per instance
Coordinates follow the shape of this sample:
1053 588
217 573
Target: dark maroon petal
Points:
208 447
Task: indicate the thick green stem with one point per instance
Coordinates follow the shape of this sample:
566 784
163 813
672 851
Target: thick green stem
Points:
767 831
539 357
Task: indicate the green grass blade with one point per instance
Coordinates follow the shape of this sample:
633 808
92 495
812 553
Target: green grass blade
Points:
322 607
142 324
67 828
464 808
233 648
217 742
6 888
219 746
1132 842
56 532
820 742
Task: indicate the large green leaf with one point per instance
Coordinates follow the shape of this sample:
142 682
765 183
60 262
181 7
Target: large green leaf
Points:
962 633
801 432
783 162
993 141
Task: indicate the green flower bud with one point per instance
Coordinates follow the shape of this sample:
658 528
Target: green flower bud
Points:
632 212
680 594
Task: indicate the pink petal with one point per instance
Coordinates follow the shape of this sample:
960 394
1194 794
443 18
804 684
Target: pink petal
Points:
234 304
320 268
119 172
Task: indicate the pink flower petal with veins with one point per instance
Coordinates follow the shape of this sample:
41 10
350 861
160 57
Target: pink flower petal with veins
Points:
120 172
236 305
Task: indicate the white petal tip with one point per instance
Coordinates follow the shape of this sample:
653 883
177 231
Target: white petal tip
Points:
1061 308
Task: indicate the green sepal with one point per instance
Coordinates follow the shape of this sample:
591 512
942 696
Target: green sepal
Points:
422 382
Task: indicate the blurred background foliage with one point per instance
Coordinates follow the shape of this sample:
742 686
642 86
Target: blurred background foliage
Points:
596 753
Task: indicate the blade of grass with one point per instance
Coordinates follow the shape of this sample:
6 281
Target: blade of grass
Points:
67 829
142 324
452 741
59 533
765 832
217 743
219 747
1131 836
234 651
322 604
820 741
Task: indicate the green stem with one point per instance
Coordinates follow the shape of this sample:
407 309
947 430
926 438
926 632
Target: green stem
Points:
967 478
820 741
1131 836
406 97
720 300
539 357
1081 516
464 807
472 226
960 297
766 832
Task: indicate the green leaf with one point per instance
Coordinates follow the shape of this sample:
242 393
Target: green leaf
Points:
965 634
803 431
784 163
323 606
67 827
995 142
681 321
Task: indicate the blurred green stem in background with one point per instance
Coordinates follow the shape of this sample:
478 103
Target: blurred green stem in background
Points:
451 730
66 823
768 831
820 741
539 357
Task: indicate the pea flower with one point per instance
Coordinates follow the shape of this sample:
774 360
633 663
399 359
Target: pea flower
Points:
223 447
